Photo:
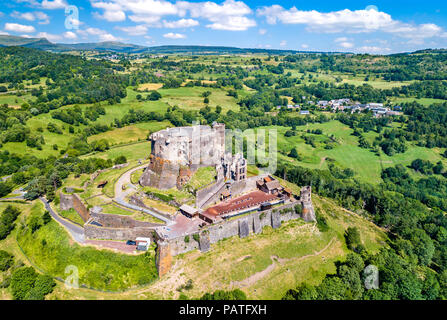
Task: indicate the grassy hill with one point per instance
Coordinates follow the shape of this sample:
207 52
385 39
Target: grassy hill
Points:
263 266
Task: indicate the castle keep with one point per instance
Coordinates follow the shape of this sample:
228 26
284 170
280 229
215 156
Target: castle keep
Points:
176 153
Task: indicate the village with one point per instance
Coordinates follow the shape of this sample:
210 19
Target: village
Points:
346 105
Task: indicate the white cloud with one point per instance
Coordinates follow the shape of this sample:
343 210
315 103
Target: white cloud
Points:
70 35
26 15
171 35
55 4
357 21
232 23
373 49
49 36
43 18
112 13
182 23
283 43
341 39
15 27
139 30
262 31
101 34
346 45
304 46
229 15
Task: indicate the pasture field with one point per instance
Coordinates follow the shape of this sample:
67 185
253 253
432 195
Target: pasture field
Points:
346 152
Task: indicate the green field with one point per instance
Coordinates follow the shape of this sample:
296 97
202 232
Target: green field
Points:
346 152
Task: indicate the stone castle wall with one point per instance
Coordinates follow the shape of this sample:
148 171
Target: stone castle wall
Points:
252 223
95 232
118 227
72 201
172 148
207 194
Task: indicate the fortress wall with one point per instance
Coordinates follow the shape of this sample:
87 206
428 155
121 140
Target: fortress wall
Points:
203 196
95 232
80 208
249 224
119 221
72 201
66 201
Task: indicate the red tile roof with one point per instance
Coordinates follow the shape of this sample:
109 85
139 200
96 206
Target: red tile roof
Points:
249 200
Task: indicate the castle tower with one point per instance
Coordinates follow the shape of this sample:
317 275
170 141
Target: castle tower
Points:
163 259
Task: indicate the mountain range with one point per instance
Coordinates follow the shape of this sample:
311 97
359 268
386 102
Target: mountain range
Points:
118 47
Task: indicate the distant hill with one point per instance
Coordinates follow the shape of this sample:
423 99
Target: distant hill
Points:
119 47
105 46
35 43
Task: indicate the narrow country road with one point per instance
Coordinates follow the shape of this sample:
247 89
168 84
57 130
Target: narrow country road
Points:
120 194
76 231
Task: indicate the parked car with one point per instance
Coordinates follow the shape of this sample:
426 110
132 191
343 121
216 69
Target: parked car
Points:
131 243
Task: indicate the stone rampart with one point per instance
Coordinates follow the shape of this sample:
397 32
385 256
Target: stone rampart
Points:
249 224
72 201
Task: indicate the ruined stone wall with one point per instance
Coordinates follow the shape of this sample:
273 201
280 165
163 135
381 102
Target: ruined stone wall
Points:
95 232
66 201
80 208
119 221
163 258
72 201
252 223
172 148
208 194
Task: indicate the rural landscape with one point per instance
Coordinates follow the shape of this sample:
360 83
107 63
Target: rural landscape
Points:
119 181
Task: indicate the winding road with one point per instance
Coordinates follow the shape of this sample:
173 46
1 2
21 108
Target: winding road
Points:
120 194
77 232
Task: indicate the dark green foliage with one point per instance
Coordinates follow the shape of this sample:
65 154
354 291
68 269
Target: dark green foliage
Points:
154 96
6 260
5 189
293 153
321 222
7 221
352 237
303 292
22 282
26 284
120 160
225 295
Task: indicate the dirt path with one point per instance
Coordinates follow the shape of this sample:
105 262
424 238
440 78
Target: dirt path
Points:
323 159
275 259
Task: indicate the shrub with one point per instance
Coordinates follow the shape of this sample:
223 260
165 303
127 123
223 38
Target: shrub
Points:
196 237
352 236
22 282
6 260
225 295
7 221
321 222
154 96
120 160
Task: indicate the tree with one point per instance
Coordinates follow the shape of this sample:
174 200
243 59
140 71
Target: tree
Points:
293 153
352 237
154 96
6 260
22 281
43 285
120 160
303 292
225 295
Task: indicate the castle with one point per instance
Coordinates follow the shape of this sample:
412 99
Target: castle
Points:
176 153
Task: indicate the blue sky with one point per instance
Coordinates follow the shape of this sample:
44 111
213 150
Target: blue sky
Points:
357 26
